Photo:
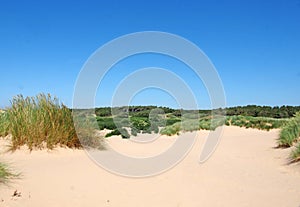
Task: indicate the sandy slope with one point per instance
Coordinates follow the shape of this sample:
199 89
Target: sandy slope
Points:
245 170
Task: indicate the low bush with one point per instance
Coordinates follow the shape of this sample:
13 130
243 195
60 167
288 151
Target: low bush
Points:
121 131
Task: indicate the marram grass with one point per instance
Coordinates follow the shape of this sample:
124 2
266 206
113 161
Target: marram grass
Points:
41 121
290 135
296 154
290 132
6 174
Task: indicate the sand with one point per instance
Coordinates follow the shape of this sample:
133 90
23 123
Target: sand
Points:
245 170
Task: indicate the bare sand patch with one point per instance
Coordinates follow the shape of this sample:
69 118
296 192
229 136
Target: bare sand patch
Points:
245 170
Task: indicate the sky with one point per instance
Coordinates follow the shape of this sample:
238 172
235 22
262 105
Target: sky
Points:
254 46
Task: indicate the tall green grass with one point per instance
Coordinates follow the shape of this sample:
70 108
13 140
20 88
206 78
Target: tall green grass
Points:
290 136
42 121
290 133
4 124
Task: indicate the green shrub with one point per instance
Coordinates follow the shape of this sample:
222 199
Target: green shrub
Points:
121 131
114 132
140 123
106 123
172 121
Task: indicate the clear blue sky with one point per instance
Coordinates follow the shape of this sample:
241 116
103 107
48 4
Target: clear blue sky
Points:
254 45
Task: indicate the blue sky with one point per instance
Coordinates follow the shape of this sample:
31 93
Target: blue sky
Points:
254 45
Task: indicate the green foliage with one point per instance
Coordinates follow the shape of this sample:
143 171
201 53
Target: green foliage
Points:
6 174
106 123
103 112
140 123
121 131
171 130
263 111
171 121
42 120
262 123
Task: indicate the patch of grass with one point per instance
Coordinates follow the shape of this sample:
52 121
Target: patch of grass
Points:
296 154
6 174
43 121
290 132
4 124
262 123
171 130
289 136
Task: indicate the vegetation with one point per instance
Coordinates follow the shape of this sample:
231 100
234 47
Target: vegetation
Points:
141 120
289 136
6 174
122 131
4 124
263 111
262 123
42 121
249 110
296 154
290 132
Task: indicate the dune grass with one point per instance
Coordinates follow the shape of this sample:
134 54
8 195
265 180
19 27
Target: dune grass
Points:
4 124
262 123
290 133
295 155
289 137
6 174
42 121
193 124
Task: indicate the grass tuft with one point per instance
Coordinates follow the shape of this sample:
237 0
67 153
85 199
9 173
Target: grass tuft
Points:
296 154
6 174
42 121
290 132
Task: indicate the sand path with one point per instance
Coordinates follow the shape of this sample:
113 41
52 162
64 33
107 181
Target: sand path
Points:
245 170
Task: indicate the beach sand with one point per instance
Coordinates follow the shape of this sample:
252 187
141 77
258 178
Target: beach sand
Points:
245 170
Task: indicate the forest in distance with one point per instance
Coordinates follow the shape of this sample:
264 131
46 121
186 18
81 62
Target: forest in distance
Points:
249 110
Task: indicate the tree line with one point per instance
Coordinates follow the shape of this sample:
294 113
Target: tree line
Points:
249 110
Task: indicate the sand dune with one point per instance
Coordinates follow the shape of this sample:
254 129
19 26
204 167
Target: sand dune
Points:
245 170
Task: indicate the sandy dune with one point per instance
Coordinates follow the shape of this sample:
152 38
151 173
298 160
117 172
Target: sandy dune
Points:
245 170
